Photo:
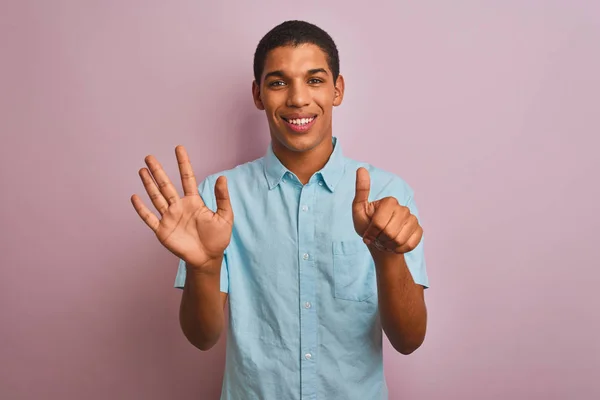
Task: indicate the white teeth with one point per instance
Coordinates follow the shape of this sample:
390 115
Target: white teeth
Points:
301 121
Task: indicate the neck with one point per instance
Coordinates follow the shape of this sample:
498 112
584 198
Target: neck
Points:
304 164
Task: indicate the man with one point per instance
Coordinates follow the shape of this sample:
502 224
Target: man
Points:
325 252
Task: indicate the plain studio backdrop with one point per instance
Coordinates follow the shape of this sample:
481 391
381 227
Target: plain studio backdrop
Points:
490 110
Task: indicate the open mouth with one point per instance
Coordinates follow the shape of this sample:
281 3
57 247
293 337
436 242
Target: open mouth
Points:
300 124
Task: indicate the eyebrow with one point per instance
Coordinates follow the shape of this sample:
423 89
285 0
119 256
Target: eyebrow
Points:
281 74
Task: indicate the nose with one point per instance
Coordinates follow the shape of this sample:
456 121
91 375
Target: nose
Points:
298 96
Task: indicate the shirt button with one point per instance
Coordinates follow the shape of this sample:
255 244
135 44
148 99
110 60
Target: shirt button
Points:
307 304
320 183
308 356
305 256
304 208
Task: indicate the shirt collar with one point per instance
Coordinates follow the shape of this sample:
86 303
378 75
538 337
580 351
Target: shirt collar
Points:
331 173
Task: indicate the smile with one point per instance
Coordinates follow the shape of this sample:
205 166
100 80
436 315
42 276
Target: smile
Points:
300 124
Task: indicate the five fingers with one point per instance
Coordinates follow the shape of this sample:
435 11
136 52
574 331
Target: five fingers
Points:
394 228
161 190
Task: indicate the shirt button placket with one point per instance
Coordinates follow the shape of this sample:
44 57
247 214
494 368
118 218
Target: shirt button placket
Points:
307 277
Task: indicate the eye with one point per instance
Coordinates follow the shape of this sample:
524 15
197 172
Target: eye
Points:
276 83
315 81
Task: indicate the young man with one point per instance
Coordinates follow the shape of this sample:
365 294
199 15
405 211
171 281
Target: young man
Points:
325 252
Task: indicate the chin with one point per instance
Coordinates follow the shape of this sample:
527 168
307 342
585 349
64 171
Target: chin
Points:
299 143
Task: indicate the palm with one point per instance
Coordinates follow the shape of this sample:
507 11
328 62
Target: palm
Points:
191 231
188 228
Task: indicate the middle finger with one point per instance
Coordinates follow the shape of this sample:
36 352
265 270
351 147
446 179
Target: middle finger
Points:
162 180
155 195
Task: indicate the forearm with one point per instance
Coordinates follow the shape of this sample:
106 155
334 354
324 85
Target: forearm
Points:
401 302
201 313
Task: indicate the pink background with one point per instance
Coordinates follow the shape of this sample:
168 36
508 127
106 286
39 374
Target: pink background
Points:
490 111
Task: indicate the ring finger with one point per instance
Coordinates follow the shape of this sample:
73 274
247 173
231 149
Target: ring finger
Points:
162 180
155 195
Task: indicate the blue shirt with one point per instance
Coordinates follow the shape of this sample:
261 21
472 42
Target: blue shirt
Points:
303 312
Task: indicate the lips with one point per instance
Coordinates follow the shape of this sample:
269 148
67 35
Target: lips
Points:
299 123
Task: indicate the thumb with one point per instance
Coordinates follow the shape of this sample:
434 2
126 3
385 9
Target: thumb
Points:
222 196
363 186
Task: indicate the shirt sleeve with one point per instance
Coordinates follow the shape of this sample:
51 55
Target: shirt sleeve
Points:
415 259
207 192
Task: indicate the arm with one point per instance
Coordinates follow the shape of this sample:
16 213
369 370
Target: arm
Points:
201 314
392 232
192 231
401 302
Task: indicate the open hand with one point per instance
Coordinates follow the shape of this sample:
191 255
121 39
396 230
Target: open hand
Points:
187 228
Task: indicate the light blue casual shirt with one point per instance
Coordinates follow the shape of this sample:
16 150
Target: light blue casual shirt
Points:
303 312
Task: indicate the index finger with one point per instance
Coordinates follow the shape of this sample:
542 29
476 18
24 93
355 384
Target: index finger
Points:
188 179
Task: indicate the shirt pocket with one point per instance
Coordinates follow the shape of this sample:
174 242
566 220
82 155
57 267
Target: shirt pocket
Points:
353 271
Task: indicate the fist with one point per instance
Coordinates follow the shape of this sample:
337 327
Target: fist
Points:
383 224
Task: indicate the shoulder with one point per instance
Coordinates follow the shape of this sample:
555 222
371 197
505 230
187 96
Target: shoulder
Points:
239 179
383 182
235 176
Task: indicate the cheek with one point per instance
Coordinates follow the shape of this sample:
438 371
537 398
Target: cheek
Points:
324 100
272 104
269 109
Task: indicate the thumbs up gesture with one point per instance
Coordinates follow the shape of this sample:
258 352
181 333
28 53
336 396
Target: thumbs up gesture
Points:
187 227
384 224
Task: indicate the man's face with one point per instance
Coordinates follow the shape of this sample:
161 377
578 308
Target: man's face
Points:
297 93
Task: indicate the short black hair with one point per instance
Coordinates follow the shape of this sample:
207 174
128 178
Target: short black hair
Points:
295 33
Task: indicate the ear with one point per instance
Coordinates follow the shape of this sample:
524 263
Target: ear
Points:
256 95
338 95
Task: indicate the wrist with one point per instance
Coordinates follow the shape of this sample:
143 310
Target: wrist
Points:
385 259
203 277
210 267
